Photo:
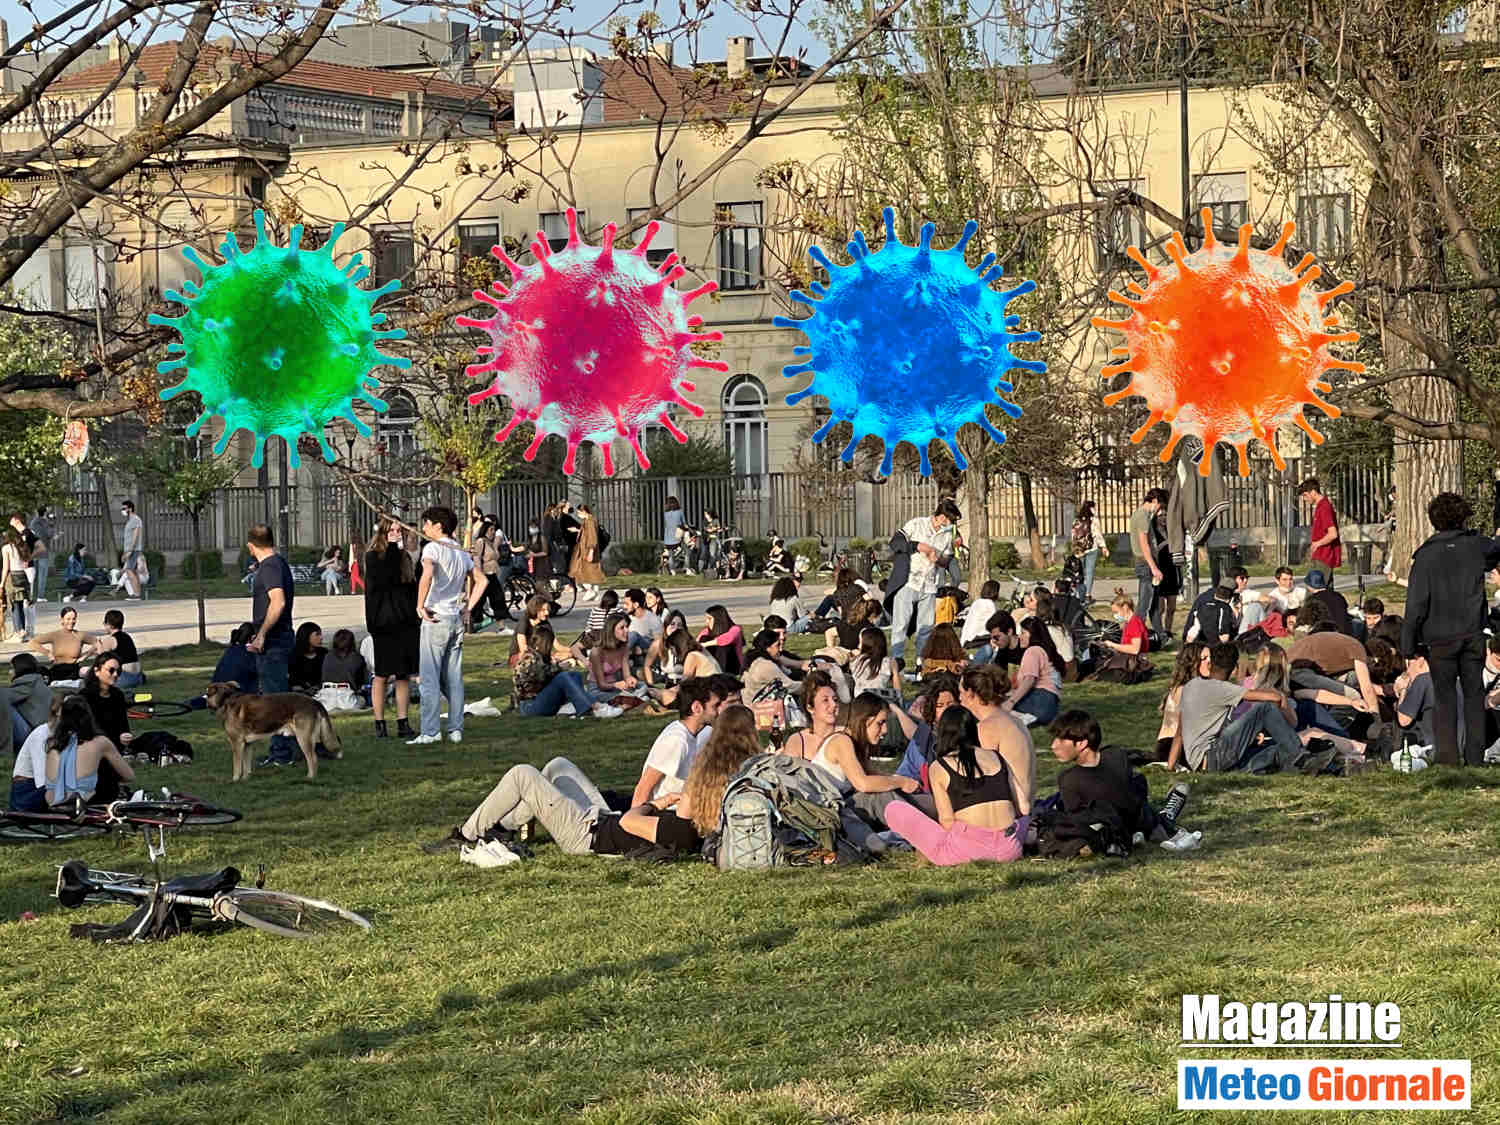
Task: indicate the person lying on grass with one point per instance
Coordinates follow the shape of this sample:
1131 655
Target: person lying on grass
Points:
975 799
1100 783
562 799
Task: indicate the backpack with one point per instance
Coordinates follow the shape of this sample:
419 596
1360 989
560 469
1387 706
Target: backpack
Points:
604 538
781 811
1121 667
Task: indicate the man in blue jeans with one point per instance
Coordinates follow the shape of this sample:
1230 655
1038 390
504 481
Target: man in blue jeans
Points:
270 611
1147 572
447 592
1262 740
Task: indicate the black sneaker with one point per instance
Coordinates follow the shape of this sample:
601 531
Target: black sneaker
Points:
271 760
451 842
380 729
403 729
1171 809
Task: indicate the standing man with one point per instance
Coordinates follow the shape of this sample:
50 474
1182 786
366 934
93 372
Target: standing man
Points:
1325 549
41 551
133 540
1445 612
270 609
930 539
1147 573
447 593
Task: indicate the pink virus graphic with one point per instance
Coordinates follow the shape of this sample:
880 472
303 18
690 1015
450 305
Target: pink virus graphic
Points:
591 344
1227 343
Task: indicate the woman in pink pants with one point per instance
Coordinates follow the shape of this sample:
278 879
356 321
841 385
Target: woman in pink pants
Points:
976 804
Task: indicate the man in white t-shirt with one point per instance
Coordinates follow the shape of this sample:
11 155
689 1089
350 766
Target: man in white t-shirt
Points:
671 757
447 592
931 539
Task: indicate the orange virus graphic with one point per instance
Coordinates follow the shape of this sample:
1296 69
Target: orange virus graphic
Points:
1227 343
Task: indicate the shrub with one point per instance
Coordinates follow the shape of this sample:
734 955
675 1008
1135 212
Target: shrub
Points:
211 562
156 563
1004 556
808 549
858 544
639 556
304 556
756 551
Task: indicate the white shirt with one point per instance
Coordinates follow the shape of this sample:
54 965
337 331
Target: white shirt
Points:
32 760
450 574
367 652
645 624
1290 599
974 621
923 577
672 755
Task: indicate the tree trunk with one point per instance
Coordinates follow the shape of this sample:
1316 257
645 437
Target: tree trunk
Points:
1033 527
975 504
193 514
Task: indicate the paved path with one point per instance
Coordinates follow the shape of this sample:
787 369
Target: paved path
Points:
159 623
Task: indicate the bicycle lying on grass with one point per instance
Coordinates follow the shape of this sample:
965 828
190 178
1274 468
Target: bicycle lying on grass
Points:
168 812
173 906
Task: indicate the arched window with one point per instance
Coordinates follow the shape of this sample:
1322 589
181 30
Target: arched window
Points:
396 429
744 405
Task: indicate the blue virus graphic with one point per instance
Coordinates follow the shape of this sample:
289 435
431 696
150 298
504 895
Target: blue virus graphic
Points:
278 340
909 343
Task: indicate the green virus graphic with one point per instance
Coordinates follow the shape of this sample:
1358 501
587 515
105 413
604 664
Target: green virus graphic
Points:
278 341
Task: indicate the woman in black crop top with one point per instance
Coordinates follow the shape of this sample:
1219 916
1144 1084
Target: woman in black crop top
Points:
975 803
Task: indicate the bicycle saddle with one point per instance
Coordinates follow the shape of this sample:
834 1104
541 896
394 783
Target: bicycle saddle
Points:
73 885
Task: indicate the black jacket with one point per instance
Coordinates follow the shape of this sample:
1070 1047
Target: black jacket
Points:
390 604
1445 601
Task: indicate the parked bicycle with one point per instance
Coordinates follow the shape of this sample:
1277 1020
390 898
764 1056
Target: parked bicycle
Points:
216 897
170 812
560 590
680 557
143 706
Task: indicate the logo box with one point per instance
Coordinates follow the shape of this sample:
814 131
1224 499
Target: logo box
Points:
1264 1084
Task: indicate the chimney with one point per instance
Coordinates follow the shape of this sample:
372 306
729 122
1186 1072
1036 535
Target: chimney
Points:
739 52
662 49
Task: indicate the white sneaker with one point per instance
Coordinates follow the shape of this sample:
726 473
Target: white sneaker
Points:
67 597
424 739
455 736
488 853
1492 754
607 711
41 601
566 710
1184 841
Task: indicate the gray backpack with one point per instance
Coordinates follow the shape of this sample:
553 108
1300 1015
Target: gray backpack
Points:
780 811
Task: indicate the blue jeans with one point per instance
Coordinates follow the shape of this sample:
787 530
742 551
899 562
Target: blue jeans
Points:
26 797
907 603
272 668
130 680
1090 563
565 687
801 625
442 673
1146 604
43 565
918 752
1040 704
1233 747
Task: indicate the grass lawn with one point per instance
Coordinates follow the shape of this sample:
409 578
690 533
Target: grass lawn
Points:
609 991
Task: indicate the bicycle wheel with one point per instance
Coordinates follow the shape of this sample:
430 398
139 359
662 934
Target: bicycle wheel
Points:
179 812
564 593
35 828
286 915
517 589
157 710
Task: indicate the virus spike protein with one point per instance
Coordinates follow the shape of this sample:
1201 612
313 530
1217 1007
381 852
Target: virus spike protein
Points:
591 344
908 343
278 341
1227 343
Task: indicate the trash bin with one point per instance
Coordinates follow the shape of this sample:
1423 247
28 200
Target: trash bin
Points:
1362 557
861 560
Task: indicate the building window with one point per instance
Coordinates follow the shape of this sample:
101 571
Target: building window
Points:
84 272
665 241
554 225
180 415
739 239
474 243
1118 227
744 404
394 253
396 430
1325 211
32 281
258 189
1227 195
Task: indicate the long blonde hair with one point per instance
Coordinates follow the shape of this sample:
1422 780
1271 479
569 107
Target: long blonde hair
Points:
1272 670
377 545
733 741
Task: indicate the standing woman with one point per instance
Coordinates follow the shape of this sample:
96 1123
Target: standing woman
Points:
562 536
671 523
1171 579
489 542
17 588
391 618
538 553
1088 545
584 567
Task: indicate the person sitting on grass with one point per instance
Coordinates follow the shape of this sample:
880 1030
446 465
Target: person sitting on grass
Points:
1271 670
981 609
1208 739
645 626
537 610
76 576
872 668
344 665
1003 646
541 686
944 653
305 670
237 663
1372 613
1417 704
1212 619
64 647
571 808
107 702
82 762
981 692
1036 693
28 778
609 660
593 629
1100 783
841 596
724 638
787 604
28 696
975 799
727 690
678 655
116 640
917 725
1334 654
762 667
793 666
670 758
1491 684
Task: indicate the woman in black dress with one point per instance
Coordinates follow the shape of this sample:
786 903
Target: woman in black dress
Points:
391 617
1170 586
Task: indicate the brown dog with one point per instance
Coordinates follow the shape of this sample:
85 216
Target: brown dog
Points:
250 718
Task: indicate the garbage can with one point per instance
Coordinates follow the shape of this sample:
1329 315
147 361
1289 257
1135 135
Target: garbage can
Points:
1362 557
861 560
1221 560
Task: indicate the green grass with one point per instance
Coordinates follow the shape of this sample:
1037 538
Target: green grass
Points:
611 992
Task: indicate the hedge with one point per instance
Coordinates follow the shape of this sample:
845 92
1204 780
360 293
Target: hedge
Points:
212 563
639 556
1004 556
